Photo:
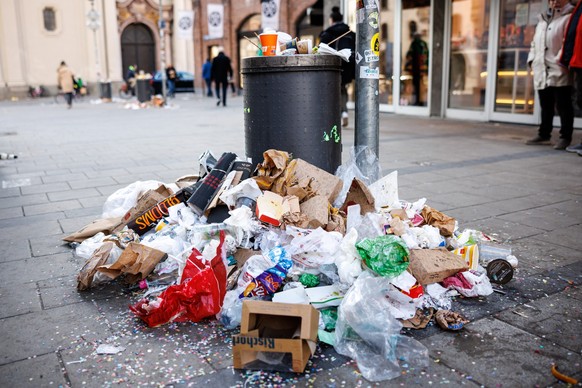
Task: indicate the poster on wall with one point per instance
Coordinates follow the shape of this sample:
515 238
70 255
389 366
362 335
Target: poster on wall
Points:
185 24
270 14
215 14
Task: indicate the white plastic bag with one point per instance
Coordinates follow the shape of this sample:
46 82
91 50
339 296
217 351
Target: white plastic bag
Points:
88 246
347 260
118 203
314 248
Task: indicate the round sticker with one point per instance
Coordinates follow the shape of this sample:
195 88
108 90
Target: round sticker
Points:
375 43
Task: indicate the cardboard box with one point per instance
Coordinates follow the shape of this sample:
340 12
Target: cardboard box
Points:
317 211
434 265
275 328
358 194
322 182
271 207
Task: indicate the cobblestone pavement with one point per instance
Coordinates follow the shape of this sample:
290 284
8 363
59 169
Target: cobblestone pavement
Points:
480 173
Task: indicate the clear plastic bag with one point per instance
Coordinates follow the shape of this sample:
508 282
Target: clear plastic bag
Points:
231 313
362 164
118 203
367 332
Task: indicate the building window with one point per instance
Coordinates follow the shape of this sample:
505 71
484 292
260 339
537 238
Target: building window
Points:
50 22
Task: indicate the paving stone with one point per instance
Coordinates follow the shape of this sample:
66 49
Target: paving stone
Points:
93 201
47 188
92 183
537 256
542 218
108 190
65 327
73 194
61 291
494 353
24 227
106 174
94 211
71 225
14 250
19 300
556 318
48 245
467 214
12 212
33 199
58 171
64 177
9 192
39 268
41 371
52 207
568 237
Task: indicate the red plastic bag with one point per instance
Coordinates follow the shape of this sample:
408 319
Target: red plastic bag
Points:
199 295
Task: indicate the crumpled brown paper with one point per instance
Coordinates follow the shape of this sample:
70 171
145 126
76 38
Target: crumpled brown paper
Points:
99 258
450 320
420 319
444 223
271 169
105 225
137 261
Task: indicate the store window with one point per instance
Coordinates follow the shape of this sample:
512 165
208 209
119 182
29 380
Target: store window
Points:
514 91
49 19
468 54
415 36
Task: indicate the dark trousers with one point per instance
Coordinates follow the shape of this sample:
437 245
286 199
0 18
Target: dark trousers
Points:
344 97
559 97
221 85
208 86
69 98
578 76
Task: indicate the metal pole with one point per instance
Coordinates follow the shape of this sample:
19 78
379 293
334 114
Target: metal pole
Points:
367 75
161 26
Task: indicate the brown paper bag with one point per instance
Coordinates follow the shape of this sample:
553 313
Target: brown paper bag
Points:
105 225
137 261
444 223
359 194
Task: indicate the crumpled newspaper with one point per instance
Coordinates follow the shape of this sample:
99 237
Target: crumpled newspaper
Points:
343 53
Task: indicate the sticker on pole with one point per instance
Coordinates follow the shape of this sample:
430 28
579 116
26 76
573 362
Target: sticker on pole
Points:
375 44
373 20
359 57
370 56
367 72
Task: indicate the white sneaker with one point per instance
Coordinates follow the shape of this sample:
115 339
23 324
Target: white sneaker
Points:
574 148
345 119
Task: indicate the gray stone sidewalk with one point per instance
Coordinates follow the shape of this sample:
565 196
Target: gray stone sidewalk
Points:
481 173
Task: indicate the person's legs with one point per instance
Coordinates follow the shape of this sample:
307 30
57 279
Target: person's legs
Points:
547 103
209 87
171 88
416 78
224 89
563 97
578 80
69 99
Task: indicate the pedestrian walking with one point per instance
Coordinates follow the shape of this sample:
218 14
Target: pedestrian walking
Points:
335 30
207 76
551 79
66 83
171 77
221 71
417 65
572 58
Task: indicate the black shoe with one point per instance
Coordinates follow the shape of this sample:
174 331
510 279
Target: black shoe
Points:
538 140
562 144
218 103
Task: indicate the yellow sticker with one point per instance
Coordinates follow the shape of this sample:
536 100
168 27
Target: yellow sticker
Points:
375 43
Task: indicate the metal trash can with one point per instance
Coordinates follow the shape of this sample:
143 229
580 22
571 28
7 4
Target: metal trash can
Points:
292 103
143 90
105 90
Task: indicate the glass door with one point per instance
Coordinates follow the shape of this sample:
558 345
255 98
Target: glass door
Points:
413 63
467 52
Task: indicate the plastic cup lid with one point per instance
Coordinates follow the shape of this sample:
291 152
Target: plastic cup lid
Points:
499 271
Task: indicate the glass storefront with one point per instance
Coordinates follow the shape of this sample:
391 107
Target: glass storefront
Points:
468 54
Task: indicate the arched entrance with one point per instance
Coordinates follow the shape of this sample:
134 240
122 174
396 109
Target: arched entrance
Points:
138 47
248 30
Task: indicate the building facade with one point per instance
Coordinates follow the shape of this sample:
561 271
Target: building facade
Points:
475 59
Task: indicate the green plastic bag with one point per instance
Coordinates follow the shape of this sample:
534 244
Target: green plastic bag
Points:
385 255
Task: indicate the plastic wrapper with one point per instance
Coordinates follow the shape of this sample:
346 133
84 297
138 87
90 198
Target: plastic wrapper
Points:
372 226
367 332
245 189
118 203
425 237
269 281
362 164
313 248
199 294
243 225
385 255
182 215
309 280
437 297
86 248
450 320
469 283
231 313
347 259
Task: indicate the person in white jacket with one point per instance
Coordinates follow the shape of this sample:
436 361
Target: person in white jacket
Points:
551 79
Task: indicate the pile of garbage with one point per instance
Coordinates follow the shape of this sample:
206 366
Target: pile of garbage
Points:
292 254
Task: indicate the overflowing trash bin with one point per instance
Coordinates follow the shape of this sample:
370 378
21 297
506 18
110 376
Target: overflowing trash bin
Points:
293 103
143 90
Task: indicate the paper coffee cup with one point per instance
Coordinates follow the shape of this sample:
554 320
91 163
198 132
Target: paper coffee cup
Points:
304 46
269 44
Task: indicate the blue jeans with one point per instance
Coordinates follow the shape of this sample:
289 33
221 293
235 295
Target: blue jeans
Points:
171 88
208 86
